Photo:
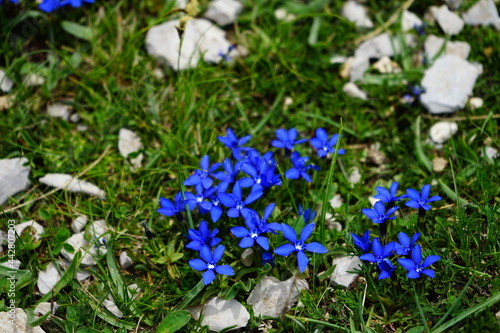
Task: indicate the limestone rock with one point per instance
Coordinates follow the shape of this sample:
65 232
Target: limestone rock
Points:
48 278
90 252
439 164
224 12
448 83
442 131
219 314
382 45
79 223
128 143
450 22
6 83
17 325
386 66
344 265
274 298
201 39
125 260
453 4
69 183
13 177
409 21
356 13
59 110
433 44
111 306
351 89
282 15
336 201
357 67
476 102
36 229
44 307
484 12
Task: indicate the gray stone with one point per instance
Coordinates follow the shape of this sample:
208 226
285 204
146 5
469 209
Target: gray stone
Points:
16 321
33 80
6 83
111 306
69 183
247 257
343 266
128 143
453 4
224 12
79 223
11 264
386 66
44 307
13 177
219 314
409 21
48 278
59 110
448 83
357 67
382 45
90 252
201 39
356 13
442 131
450 22
282 15
274 298
484 12
476 102
433 44
125 260
36 229
353 90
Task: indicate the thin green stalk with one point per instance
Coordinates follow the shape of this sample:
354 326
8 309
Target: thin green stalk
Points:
455 304
420 310
315 321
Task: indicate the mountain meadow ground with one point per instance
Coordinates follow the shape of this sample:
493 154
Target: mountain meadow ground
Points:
268 150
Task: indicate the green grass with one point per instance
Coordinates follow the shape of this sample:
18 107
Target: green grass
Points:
109 82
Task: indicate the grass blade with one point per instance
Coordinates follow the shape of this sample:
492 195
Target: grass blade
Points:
418 148
173 322
191 295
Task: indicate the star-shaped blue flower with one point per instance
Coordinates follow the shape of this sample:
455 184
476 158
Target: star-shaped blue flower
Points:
364 242
203 176
169 208
250 235
387 196
208 263
299 245
236 145
286 139
300 168
235 202
405 244
415 266
378 214
308 214
379 252
325 145
418 200
202 237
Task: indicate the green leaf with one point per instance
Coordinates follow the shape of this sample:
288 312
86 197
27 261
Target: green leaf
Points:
109 317
23 277
416 329
173 322
452 195
69 248
35 320
77 30
62 235
191 294
44 214
418 148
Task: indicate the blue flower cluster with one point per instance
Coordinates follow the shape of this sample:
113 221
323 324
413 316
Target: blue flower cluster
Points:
230 189
407 248
50 6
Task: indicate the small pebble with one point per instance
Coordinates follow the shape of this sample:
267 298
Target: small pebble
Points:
439 164
475 102
442 131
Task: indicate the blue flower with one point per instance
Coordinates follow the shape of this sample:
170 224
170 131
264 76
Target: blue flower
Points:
203 176
235 201
300 168
298 245
308 214
420 200
378 214
202 237
286 139
267 257
208 263
325 145
415 266
213 205
405 244
379 252
251 235
228 176
363 243
262 224
194 200
13 1
169 208
75 3
232 142
386 269
387 196
49 6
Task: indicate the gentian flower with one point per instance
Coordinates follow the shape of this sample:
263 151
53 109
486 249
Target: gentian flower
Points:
379 252
13 1
420 200
286 139
232 142
298 245
415 266
208 263
308 214
378 214
198 199
387 196
169 208
214 205
75 3
235 201
300 168
262 224
363 243
202 237
228 176
386 268
325 145
49 6
203 176
251 235
261 171
405 244
267 257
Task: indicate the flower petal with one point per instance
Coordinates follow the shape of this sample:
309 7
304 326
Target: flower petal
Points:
227 199
206 254
224 270
368 257
239 231
289 233
302 260
285 249
198 264
315 247
430 260
263 242
208 277
426 190
218 252
246 242
416 254
306 232
407 263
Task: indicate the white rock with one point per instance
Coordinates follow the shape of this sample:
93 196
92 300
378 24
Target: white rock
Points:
409 21
356 13
386 66
344 265
357 67
89 251
376 155
74 118
48 278
13 177
3 239
81 128
71 184
33 80
201 38
439 164
82 274
484 12
453 4
448 83
382 45
450 22
336 201
79 223
490 152
333 225
59 110
44 307
442 131
219 314
247 257
274 298
338 59
433 44
354 177
16 321
282 15
476 102
125 260
36 229
99 232
128 143
133 290
351 89
223 12
111 306
6 83
11 264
